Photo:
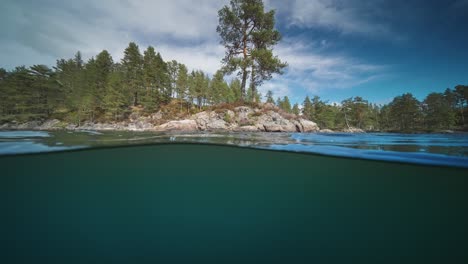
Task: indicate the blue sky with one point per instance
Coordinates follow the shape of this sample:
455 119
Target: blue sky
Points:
335 48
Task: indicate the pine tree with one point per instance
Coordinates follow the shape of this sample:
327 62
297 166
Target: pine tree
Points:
173 72
151 94
286 105
218 88
248 34
269 96
235 87
295 109
115 101
104 65
132 63
307 108
182 83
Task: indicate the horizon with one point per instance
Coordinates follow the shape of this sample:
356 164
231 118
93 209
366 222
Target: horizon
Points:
334 49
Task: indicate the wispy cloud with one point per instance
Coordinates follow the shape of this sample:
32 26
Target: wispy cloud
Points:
51 30
310 71
180 30
346 17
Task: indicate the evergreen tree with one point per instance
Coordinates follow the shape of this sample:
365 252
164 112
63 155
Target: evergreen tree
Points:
104 65
132 63
405 112
235 87
285 104
248 34
182 83
151 96
218 88
173 71
295 109
115 101
270 99
163 79
438 111
461 97
307 109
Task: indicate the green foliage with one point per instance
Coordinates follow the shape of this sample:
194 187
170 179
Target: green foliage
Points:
405 113
99 89
284 104
248 34
132 64
295 109
270 99
438 111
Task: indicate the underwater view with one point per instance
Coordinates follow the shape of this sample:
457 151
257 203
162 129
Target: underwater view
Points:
145 198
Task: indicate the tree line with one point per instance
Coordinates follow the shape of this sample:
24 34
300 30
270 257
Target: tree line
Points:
101 89
405 113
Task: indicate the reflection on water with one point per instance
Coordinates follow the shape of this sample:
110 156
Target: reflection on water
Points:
436 149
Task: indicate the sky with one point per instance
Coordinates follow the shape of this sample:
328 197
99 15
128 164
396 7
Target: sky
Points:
336 49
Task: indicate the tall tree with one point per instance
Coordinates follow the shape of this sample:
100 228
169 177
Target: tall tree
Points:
218 88
132 63
307 108
182 83
295 109
405 112
269 97
173 71
235 87
248 34
438 111
461 95
151 97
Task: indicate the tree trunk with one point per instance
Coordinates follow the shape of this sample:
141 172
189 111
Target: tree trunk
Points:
462 114
135 99
244 82
252 84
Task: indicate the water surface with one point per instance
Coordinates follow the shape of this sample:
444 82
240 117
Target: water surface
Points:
428 149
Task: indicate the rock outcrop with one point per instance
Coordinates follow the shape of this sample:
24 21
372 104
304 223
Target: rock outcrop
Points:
267 118
353 130
182 125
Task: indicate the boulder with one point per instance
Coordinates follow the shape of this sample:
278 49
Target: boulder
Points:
210 121
49 125
243 114
182 125
326 131
29 125
157 116
247 129
273 127
307 126
353 130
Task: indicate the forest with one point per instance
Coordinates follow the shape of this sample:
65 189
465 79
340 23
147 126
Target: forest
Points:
103 90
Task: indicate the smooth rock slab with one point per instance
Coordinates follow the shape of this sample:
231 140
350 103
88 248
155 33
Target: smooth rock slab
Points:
182 125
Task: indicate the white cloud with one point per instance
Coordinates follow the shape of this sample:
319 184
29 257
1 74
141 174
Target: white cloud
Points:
180 30
347 17
310 71
43 32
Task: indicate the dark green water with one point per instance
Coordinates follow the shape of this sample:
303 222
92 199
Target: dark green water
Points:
197 203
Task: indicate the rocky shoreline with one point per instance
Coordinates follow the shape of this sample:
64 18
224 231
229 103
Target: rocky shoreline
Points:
266 118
